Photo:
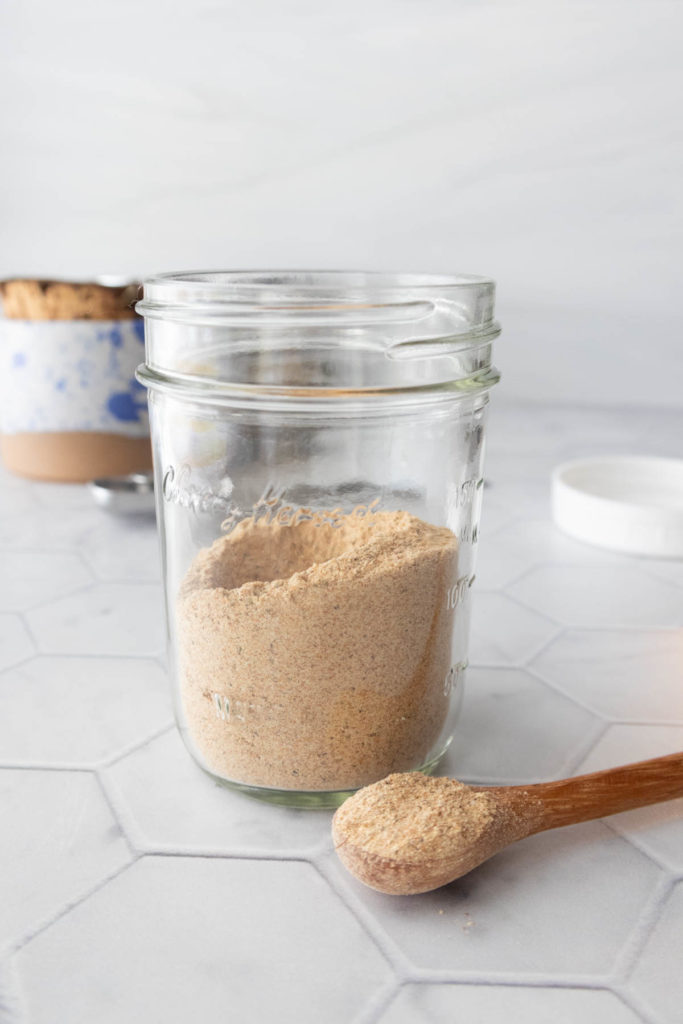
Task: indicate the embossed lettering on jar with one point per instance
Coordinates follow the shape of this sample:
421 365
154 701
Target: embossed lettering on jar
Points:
318 445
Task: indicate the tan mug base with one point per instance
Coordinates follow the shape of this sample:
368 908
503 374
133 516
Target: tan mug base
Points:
74 456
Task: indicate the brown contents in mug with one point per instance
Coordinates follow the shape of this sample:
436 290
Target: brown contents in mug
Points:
314 656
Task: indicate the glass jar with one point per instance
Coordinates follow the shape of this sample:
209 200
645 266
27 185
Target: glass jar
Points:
318 442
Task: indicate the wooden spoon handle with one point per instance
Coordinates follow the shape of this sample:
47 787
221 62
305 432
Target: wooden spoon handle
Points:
599 794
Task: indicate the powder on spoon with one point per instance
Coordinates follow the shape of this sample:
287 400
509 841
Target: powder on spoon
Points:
413 818
315 656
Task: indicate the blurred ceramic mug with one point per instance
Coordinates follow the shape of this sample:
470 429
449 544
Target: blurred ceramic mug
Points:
70 406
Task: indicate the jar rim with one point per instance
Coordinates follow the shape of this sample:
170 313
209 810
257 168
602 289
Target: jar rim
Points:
216 281
439 326
287 295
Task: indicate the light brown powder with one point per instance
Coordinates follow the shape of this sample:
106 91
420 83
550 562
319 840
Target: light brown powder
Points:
30 299
414 819
314 656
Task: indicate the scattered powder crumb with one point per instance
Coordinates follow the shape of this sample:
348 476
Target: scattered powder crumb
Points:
413 818
313 656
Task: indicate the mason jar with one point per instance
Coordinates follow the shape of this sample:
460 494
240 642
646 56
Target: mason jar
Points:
318 442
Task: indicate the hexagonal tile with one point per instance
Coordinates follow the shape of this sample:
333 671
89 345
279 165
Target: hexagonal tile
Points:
42 530
525 911
658 978
515 729
504 633
65 497
497 565
600 596
626 674
479 1004
15 643
524 496
539 541
111 618
18 499
493 516
79 711
58 839
124 548
31 578
171 805
659 829
177 939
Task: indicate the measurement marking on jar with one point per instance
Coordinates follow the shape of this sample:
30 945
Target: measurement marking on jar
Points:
465 492
453 677
222 705
469 534
228 709
458 591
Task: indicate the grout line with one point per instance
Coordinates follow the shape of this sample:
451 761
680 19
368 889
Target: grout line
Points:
108 655
637 843
373 1010
528 608
31 633
557 688
82 589
116 814
650 723
632 949
128 581
28 937
13 1008
495 979
119 755
122 814
521 663
47 766
602 715
78 655
545 646
502 587
634 1002
573 762
660 579
626 627
290 857
305 855
525 606
8 669
558 631
389 949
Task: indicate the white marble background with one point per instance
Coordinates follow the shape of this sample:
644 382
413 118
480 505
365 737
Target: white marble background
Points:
535 142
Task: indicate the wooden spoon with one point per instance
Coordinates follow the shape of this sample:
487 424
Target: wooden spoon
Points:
411 833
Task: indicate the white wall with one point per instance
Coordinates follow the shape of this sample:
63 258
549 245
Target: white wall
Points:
538 142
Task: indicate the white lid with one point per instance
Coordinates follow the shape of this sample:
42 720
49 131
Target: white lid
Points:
626 503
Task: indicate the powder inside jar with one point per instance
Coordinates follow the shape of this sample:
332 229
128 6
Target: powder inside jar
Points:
315 656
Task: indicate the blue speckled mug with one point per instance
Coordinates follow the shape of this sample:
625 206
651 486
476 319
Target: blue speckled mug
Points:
70 406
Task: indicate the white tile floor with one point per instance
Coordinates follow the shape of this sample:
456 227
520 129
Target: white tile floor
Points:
134 889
